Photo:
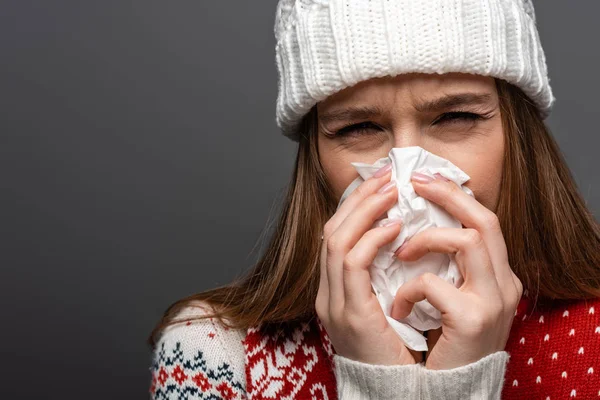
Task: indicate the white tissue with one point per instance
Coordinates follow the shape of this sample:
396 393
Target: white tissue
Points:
417 214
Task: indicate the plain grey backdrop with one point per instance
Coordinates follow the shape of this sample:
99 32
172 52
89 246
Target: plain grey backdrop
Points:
141 161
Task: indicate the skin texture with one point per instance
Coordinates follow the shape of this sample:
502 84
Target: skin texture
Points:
476 318
475 147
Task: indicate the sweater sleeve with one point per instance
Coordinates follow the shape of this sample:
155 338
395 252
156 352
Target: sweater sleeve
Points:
357 380
198 359
482 379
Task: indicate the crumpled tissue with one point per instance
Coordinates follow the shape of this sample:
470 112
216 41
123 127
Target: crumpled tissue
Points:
417 214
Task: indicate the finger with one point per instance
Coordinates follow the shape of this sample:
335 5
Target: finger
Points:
471 254
348 233
322 300
364 190
357 280
440 294
472 214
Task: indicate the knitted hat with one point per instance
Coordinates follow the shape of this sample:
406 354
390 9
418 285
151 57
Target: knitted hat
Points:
324 46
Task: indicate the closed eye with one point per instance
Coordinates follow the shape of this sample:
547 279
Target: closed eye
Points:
357 129
457 116
446 118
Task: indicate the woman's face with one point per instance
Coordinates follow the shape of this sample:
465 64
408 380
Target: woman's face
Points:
455 116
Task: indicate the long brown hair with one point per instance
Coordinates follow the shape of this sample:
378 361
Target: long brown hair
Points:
553 240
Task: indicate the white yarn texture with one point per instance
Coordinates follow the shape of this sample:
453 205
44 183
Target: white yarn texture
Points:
323 46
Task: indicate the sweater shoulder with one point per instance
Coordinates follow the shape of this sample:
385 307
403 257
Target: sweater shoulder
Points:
551 317
579 311
553 350
198 358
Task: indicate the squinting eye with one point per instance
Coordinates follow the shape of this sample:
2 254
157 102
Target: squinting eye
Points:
457 116
446 118
357 129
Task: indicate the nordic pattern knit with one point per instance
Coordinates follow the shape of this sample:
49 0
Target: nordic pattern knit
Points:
553 350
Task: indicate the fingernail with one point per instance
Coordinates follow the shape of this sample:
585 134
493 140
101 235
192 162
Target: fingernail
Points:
421 178
392 221
440 176
383 170
387 187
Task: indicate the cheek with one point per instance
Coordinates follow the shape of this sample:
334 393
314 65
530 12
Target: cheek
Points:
485 184
338 170
484 166
340 173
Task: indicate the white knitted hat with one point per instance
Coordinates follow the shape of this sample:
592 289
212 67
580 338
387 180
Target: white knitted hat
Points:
324 46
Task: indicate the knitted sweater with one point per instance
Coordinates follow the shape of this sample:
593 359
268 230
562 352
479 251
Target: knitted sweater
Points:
553 350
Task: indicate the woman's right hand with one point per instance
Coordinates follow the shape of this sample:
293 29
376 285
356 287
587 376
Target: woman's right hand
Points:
346 304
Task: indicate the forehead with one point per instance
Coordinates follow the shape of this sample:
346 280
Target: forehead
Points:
410 88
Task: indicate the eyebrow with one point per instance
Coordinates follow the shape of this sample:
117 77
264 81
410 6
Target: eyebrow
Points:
439 104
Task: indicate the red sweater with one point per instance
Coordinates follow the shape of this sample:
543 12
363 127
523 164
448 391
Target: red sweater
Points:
554 355
554 351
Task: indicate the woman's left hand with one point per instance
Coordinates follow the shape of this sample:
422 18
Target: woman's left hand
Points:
477 317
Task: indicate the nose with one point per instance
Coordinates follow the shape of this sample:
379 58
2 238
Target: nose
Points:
407 136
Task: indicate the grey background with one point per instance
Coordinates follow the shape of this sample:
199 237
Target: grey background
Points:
140 162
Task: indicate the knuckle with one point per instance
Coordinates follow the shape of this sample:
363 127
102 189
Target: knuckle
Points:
427 279
452 188
321 309
362 191
472 237
496 311
491 222
518 283
328 229
512 305
476 323
351 261
519 286
450 191
460 256
483 319
370 234
335 244
372 202
354 324
374 236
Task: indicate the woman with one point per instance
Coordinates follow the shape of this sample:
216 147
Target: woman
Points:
465 80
